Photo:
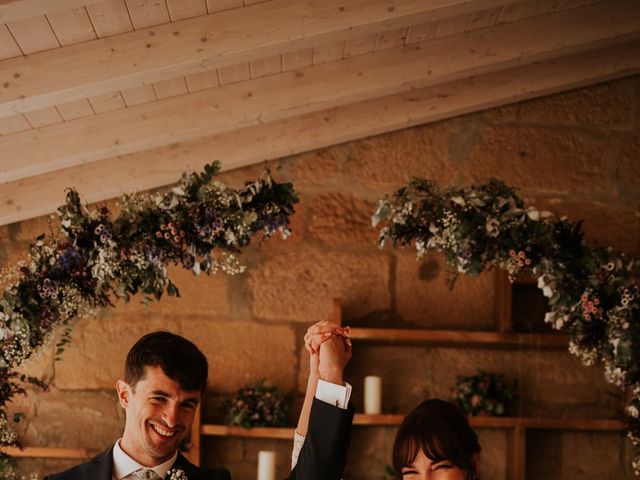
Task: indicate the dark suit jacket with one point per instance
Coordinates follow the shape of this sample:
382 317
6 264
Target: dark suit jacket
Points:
101 468
322 457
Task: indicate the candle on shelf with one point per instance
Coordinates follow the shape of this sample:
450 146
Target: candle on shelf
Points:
372 394
266 465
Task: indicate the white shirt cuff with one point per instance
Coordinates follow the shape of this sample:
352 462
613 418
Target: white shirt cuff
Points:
333 394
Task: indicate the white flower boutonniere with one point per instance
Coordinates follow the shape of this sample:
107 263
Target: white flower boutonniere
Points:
177 474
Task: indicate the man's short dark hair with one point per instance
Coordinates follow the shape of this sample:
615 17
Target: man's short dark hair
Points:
178 357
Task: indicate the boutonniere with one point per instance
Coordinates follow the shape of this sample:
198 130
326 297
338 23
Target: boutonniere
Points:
177 474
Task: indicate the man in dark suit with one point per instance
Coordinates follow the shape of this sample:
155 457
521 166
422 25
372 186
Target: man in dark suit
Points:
165 377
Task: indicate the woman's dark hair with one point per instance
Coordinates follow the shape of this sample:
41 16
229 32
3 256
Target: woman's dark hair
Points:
442 432
179 359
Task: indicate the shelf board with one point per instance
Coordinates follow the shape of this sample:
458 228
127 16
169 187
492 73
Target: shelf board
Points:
505 422
50 452
361 419
456 337
256 432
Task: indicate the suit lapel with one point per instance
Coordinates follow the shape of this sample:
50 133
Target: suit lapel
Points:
186 466
101 466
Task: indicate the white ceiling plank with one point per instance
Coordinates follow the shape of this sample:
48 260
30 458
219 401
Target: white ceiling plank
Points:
148 13
138 95
32 35
314 88
107 103
158 167
170 88
203 43
202 80
12 10
72 26
43 117
75 109
110 18
182 9
8 46
14 123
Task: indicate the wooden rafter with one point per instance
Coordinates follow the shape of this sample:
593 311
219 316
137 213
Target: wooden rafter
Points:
190 46
314 88
157 167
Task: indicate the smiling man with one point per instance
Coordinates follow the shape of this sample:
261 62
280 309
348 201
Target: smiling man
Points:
165 378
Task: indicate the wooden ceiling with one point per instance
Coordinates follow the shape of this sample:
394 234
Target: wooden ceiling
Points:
120 95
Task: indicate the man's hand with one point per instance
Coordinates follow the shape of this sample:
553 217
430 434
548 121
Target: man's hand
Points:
332 362
335 353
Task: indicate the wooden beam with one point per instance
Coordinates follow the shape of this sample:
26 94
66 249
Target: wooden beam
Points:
157 167
214 111
12 10
39 195
203 43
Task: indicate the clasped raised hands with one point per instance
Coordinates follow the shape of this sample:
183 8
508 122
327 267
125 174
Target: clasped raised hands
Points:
330 348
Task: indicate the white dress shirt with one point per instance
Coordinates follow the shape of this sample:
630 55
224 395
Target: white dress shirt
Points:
124 466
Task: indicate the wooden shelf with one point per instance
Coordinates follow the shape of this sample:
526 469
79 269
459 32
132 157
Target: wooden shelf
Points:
256 432
506 423
461 338
49 452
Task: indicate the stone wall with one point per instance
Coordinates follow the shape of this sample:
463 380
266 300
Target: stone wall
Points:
575 153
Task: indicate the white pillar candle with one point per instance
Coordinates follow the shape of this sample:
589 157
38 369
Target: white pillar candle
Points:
266 465
372 395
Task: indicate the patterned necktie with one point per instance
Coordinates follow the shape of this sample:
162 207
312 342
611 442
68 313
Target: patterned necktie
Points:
146 474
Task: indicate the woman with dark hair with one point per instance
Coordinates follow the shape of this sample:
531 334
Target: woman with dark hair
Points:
436 442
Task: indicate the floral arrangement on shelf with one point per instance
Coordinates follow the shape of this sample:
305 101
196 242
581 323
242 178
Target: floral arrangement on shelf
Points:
484 394
259 404
592 291
94 257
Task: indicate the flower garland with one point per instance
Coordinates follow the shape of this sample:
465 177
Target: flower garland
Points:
200 225
593 295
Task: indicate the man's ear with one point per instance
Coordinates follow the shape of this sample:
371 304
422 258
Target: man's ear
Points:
124 393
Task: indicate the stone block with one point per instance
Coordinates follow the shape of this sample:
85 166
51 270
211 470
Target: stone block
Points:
612 225
27 231
236 178
608 105
550 383
303 370
220 452
373 454
73 419
95 358
40 363
338 218
206 295
493 459
40 467
609 463
627 153
424 298
240 455
542 160
243 352
393 159
300 286
584 455
320 166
